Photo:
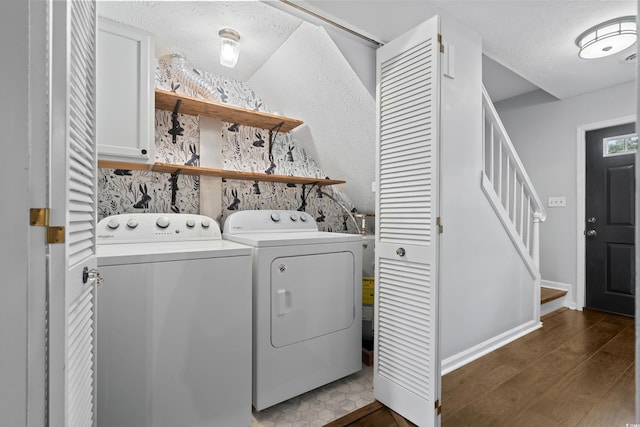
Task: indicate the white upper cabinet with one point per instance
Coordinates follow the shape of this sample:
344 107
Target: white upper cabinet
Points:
125 93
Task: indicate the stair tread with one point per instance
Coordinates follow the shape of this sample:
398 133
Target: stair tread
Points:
549 294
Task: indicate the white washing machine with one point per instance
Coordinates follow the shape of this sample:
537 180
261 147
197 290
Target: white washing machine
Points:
173 323
307 293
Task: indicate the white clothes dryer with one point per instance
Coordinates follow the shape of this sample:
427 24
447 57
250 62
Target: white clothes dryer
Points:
173 323
307 293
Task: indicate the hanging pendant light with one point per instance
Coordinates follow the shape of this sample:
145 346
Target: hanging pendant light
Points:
607 38
229 47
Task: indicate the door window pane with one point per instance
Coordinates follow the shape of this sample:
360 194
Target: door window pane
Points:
623 144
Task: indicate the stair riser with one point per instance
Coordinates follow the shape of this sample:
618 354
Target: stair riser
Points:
552 305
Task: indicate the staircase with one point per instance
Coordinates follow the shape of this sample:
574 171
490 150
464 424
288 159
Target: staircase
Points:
510 191
551 300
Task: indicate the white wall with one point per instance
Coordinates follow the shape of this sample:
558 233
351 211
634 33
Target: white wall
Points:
308 78
544 134
486 290
14 188
360 55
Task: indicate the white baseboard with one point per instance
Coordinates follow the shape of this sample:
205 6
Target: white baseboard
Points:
457 360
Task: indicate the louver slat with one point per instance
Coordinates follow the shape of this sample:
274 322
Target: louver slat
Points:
405 308
405 142
81 349
81 135
80 240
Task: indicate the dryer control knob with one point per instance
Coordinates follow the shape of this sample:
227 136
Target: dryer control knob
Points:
163 222
191 223
205 223
294 217
132 223
113 223
303 218
275 217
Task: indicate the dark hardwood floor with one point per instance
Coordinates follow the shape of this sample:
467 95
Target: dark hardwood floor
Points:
577 370
373 415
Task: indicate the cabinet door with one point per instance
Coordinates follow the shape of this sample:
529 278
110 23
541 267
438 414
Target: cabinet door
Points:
407 364
125 95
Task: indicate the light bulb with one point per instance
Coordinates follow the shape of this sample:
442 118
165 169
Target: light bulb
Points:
229 47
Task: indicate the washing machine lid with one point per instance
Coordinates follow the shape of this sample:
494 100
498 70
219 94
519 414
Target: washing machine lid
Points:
152 237
292 238
136 253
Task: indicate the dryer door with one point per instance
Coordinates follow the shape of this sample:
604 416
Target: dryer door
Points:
311 296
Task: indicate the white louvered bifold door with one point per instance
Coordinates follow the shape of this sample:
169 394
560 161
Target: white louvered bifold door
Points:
407 365
72 194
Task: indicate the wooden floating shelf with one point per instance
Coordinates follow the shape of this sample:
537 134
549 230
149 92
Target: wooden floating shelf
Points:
166 100
220 173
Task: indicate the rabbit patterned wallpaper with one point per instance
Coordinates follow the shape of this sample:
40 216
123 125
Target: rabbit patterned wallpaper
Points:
243 148
128 191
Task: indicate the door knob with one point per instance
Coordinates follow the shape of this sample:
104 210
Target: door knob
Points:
592 233
400 252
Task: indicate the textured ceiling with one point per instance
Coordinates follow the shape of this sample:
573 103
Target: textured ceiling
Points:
191 28
534 39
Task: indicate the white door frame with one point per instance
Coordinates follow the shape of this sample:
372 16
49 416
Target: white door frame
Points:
580 199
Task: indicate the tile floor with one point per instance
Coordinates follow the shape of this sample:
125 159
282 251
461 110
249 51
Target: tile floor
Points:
322 405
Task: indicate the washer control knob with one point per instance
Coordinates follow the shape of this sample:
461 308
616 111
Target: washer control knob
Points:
191 223
294 217
303 218
275 217
132 223
113 223
205 223
163 222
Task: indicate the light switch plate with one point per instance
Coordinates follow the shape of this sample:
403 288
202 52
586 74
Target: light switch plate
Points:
557 202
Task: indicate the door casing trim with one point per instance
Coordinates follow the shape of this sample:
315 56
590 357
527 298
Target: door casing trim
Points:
580 199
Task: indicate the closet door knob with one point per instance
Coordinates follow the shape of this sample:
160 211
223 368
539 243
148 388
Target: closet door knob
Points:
400 252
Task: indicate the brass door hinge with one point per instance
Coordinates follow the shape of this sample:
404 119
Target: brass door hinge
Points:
440 226
39 217
438 407
55 235
440 43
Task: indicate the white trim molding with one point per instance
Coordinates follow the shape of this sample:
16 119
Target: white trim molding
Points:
581 131
467 356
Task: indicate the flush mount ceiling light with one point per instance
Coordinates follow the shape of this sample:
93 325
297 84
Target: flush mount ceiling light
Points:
229 47
607 38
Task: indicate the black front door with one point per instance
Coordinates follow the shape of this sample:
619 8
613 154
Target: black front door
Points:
610 219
